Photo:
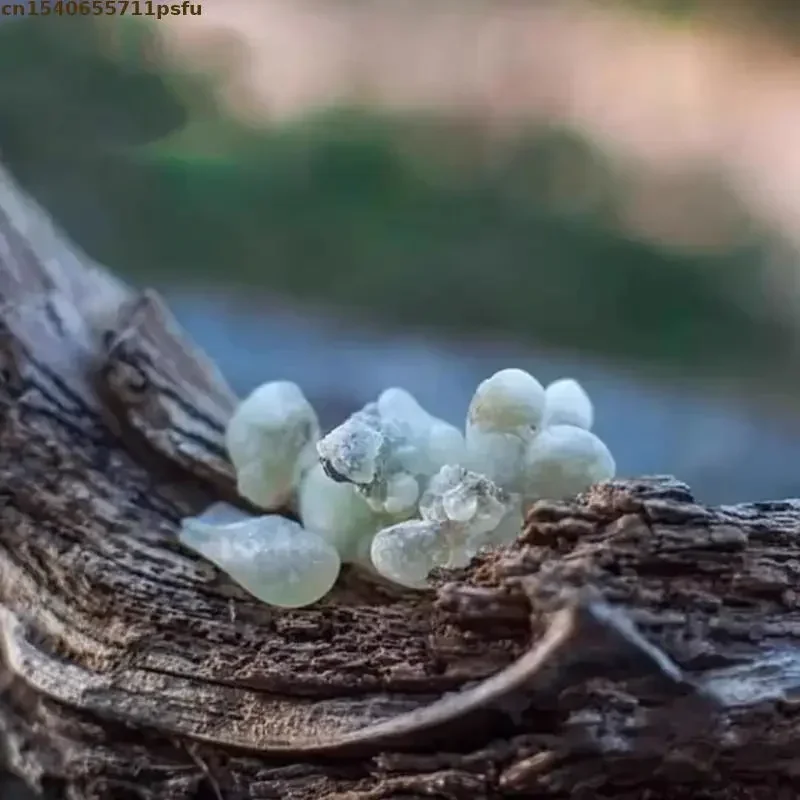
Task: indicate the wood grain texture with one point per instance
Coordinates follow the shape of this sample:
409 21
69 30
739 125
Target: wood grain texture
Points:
631 644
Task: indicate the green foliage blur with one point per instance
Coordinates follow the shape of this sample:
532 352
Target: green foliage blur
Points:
408 221
778 19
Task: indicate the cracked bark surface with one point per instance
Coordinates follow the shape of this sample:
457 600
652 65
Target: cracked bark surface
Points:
631 644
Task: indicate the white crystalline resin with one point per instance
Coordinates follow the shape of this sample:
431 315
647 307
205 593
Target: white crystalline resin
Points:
337 512
388 450
457 495
353 452
434 441
405 553
462 513
397 402
271 440
402 493
274 558
505 413
499 456
507 401
476 513
564 460
566 403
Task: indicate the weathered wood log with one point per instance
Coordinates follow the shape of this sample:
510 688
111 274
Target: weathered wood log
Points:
631 644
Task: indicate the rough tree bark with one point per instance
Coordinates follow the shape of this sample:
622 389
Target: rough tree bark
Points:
632 644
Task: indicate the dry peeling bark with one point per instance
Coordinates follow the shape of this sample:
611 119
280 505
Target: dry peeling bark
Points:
632 644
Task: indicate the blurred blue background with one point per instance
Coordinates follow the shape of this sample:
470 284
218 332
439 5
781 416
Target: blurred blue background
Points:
354 195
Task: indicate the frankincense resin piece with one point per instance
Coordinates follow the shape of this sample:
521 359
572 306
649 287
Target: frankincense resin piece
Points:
272 557
271 439
566 403
388 450
406 552
337 512
505 413
564 460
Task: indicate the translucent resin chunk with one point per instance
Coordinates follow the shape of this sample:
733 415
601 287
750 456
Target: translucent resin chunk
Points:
461 514
271 440
508 401
406 552
566 403
564 460
436 442
272 557
388 450
337 512
505 413
457 495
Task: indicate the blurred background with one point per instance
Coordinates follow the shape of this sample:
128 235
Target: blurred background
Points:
354 194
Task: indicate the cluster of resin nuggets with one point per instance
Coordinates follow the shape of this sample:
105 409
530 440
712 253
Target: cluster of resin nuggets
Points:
392 489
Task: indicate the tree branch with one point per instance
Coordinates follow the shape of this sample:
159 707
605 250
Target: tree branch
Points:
631 644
